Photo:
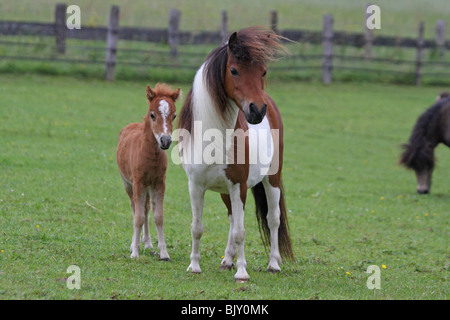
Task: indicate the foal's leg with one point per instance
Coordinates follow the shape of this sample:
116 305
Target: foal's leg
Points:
230 250
129 190
197 198
149 204
238 231
273 221
139 199
157 196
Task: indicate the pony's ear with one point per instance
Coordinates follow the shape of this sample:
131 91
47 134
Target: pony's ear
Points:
150 93
176 95
232 40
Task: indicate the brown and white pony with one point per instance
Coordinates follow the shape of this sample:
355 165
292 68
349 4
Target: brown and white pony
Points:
227 100
142 162
432 128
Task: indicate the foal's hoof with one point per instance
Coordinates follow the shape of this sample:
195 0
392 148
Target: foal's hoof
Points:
164 259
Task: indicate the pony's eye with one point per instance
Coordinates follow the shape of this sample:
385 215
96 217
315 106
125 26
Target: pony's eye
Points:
234 72
264 74
174 116
152 115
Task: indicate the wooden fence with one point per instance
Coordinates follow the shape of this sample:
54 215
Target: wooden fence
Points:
328 38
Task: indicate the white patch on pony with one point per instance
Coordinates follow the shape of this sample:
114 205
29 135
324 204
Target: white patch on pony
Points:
164 110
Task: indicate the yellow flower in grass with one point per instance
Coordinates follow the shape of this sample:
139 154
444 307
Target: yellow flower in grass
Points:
383 266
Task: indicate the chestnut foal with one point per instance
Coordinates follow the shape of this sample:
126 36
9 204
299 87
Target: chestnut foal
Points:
142 165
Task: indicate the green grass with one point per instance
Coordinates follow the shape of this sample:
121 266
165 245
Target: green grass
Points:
350 205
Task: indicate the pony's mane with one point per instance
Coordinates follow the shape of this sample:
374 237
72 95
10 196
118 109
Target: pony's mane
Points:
257 45
418 152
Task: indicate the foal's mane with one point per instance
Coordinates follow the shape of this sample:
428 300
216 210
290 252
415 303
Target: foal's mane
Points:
256 45
163 90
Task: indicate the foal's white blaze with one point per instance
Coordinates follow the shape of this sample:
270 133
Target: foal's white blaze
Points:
164 110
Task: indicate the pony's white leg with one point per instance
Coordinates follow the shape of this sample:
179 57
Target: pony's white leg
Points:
158 216
230 250
197 195
146 236
139 199
238 231
273 221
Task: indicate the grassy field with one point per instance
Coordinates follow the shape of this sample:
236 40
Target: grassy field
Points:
350 205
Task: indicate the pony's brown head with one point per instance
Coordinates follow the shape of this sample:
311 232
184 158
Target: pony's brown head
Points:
162 112
248 51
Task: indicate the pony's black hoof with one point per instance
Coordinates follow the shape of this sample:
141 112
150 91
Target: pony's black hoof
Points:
164 259
423 191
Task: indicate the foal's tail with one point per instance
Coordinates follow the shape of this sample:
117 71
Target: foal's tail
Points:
284 239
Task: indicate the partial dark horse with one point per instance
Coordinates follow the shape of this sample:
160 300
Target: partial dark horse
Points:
432 128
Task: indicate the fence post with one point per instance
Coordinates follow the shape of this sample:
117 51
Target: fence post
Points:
420 44
274 20
327 44
440 37
111 43
224 27
60 27
173 32
368 37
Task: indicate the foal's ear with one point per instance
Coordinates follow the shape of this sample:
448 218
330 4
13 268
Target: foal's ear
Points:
232 40
176 95
150 93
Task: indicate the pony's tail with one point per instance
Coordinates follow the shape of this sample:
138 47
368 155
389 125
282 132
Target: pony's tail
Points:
284 239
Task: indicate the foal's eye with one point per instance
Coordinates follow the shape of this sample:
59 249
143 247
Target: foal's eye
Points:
152 115
174 116
234 72
264 74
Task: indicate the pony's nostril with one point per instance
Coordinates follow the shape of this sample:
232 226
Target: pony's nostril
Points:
255 114
264 110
